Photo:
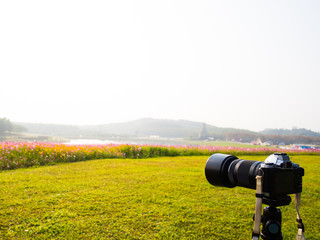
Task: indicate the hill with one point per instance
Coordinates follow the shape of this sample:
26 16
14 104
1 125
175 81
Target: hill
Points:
159 127
144 127
291 132
166 128
52 129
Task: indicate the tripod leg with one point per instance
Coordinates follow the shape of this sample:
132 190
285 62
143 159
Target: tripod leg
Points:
257 215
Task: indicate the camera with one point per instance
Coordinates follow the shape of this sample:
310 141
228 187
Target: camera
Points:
273 180
280 175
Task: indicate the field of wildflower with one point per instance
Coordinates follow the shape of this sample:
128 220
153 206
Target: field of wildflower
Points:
15 155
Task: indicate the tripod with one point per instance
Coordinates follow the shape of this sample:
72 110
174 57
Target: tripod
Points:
271 218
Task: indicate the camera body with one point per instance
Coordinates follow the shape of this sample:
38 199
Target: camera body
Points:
280 175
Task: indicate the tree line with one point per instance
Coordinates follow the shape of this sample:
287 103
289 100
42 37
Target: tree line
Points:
162 128
7 126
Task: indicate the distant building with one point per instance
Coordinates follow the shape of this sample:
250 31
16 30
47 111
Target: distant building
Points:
203 134
257 142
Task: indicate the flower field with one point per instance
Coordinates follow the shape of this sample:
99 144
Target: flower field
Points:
21 155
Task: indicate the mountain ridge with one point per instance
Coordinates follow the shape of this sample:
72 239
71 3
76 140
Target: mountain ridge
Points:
139 127
168 128
290 132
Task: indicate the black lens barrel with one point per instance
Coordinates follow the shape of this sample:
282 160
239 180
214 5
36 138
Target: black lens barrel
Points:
243 173
229 171
216 169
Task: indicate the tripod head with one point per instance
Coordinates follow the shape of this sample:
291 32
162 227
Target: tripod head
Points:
271 224
272 217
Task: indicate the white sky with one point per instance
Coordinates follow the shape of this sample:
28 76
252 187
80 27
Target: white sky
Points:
245 64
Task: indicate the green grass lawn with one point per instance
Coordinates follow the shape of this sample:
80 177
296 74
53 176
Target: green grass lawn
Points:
155 198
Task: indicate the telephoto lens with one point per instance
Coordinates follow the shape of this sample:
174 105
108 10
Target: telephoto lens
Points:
229 171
